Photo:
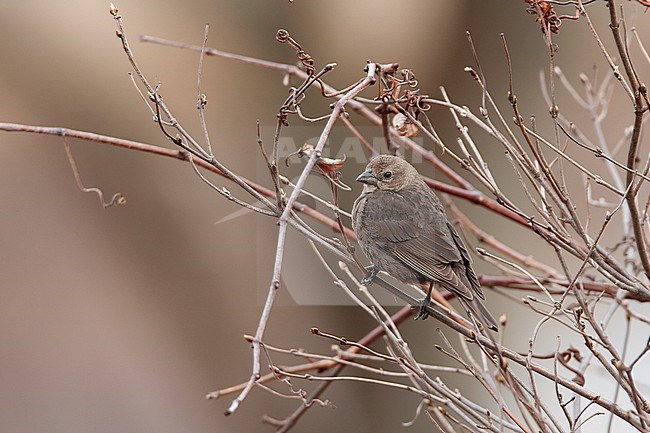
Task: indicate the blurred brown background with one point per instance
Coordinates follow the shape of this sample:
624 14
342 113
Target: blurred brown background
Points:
123 319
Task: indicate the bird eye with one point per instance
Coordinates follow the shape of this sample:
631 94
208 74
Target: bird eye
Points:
388 174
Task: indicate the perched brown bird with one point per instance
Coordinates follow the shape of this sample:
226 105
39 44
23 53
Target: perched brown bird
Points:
402 227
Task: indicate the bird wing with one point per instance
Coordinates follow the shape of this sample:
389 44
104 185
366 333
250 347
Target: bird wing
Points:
418 235
467 260
423 255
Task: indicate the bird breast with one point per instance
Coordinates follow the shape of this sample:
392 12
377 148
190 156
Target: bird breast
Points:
377 244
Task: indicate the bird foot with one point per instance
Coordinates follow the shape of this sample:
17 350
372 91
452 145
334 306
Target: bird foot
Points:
422 307
424 313
372 273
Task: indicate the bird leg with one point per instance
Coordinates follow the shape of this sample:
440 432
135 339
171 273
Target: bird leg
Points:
372 273
423 314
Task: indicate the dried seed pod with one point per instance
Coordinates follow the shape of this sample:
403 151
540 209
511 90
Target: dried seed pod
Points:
328 165
404 126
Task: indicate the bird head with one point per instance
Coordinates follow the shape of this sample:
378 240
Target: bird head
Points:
388 173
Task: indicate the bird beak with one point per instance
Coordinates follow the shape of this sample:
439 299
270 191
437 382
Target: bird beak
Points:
367 178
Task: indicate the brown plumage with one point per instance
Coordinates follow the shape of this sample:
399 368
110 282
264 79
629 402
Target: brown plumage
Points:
402 228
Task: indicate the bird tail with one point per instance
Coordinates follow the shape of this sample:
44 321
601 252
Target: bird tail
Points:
478 310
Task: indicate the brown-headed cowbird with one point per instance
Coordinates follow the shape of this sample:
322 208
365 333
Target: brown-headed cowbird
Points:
402 228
